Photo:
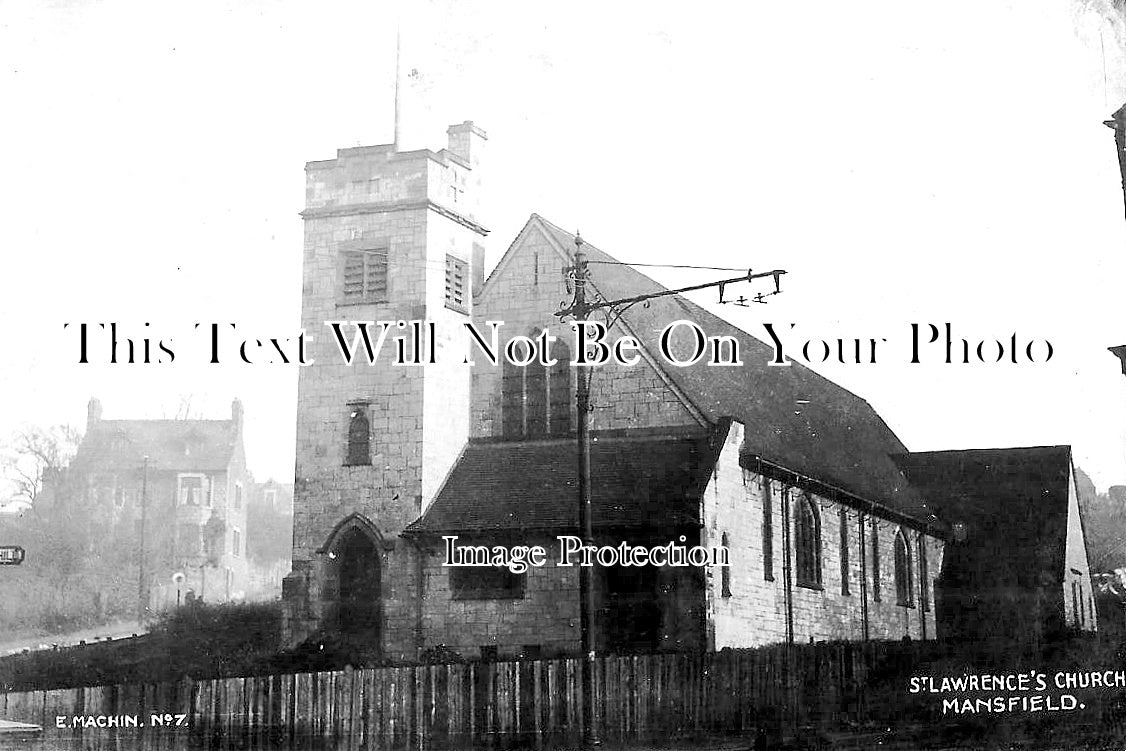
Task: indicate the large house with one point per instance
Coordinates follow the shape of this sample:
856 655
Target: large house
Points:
790 473
178 485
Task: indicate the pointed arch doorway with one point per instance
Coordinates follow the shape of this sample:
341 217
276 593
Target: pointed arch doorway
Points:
355 550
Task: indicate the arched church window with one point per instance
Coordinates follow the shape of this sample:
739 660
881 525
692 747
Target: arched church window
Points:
536 398
359 437
904 592
807 541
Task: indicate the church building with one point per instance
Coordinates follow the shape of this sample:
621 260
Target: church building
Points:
790 473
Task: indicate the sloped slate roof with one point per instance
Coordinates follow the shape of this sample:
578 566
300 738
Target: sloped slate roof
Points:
793 417
174 445
638 482
1013 503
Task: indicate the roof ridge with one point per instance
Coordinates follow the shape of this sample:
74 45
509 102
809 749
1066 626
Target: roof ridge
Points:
993 449
679 298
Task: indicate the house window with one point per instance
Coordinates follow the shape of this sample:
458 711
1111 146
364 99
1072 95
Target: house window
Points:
875 560
238 495
191 490
725 572
924 576
767 532
359 438
364 276
807 541
119 497
271 497
236 542
485 583
844 552
536 399
904 593
457 281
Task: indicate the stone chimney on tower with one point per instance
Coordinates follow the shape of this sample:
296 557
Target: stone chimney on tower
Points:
93 413
466 141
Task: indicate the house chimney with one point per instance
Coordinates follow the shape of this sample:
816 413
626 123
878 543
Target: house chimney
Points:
93 413
236 414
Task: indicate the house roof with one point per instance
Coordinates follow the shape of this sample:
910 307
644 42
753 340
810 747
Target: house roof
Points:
636 480
1013 504
170 445
1120 353
792 416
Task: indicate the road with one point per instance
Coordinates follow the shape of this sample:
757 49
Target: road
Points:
119 630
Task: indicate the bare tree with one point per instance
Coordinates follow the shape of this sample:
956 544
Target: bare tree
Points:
185 409
33 454
1104 523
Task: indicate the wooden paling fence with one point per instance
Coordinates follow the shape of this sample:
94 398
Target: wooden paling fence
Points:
525 703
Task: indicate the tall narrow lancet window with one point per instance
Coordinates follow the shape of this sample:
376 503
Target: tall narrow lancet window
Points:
904 592
725 572
876 560
559 389
536 398
924 574
512 400
807 542
359 437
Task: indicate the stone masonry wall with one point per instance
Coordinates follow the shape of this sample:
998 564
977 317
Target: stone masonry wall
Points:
375 198
524 293
547 615
755 611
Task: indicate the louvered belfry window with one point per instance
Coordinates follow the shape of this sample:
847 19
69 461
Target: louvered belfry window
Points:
457 280
364 276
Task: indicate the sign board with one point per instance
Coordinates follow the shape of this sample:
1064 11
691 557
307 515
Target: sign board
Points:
11 555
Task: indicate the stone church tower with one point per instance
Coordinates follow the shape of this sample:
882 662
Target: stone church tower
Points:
389 236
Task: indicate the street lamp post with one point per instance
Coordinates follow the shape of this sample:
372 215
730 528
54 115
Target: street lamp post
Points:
579 310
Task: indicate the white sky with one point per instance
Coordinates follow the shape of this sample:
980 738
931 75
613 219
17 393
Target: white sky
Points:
905 162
